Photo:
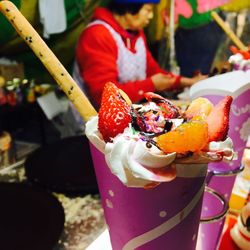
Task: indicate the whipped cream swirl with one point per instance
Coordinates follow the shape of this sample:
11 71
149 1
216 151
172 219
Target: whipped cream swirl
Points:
129 157
239 63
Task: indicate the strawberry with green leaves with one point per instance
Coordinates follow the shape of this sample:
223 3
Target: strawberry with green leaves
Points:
114 114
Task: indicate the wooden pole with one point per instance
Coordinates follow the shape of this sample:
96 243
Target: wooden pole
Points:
229 31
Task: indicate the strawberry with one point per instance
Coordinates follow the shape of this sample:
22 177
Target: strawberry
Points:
114 114
234 50
218 120
244 53
169 109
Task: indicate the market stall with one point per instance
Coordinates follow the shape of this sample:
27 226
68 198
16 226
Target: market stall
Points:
53 171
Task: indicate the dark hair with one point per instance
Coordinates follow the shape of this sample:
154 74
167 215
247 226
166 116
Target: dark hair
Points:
124 8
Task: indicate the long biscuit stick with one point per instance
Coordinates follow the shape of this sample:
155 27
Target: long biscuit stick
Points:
47 57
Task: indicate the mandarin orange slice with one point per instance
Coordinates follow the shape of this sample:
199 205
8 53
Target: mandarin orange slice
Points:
190 136
199 107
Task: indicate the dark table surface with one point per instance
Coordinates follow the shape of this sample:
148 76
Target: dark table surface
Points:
84 219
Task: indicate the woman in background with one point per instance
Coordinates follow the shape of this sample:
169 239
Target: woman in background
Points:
113 48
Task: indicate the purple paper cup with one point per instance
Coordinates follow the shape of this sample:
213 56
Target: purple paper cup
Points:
238 131
149 219
221 176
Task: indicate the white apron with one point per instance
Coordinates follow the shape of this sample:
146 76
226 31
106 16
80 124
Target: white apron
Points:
130 66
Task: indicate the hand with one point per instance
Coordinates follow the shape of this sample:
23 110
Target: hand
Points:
199 77
188 82
162 82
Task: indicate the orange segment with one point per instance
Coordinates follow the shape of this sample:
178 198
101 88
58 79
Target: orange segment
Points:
190 136
199 107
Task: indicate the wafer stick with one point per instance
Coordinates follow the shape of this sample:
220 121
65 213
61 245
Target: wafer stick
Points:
228 31
49 60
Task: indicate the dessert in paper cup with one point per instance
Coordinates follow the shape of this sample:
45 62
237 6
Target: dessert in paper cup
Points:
151 161
240 59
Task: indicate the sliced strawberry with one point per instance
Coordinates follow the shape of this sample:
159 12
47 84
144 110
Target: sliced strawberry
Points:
150 96
138 121
245 54
114 114
169 109
234 49
218 120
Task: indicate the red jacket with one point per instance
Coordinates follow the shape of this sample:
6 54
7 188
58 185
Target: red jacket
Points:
96 55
